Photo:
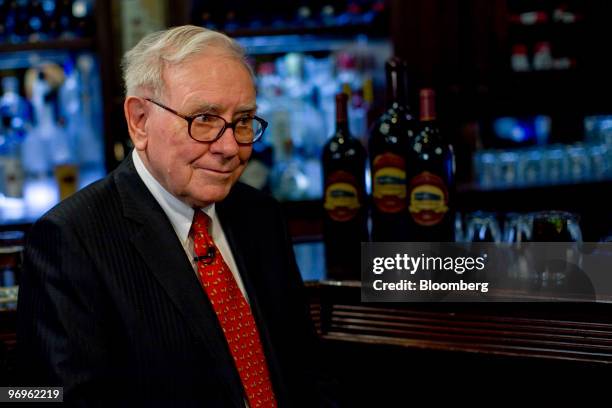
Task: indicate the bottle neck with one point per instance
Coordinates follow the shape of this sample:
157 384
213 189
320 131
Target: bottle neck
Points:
45 116
342 128
428 105
396 87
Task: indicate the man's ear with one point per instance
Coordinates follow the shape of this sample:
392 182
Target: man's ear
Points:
136 117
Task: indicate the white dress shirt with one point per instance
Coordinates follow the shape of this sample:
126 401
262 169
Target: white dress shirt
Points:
181 217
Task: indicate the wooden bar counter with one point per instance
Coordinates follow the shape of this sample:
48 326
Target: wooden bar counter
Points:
377 349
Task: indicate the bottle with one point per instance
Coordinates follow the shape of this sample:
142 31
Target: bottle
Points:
36 22
304 17
257 172
21 18
390 139
82 17
44 147
13 116
13 107
327 17
430 179
519 59
288 179
345 210
542 56
11 171
348 77
50 18
88 139
65 18
11 249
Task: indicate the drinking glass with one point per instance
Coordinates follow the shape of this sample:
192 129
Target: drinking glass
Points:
507 162
559 266
579 163
517 228
600 161
486 168
555 165
482 227
556 226
530 167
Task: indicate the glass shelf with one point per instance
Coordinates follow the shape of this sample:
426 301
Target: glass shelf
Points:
281 44
64 44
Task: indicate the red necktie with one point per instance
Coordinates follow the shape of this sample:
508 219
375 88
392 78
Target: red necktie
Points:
234 314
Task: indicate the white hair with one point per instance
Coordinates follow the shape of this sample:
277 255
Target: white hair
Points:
143 65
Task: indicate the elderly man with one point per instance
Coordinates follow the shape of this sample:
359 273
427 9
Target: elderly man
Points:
168 280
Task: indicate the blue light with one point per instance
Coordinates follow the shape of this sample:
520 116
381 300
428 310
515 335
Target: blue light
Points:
531 130
518 134
48 6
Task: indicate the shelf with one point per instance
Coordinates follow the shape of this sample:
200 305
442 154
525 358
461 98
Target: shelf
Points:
344 31
586 199
282 44
67 44
470 188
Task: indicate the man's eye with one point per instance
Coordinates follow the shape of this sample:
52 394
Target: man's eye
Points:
245 121
204 119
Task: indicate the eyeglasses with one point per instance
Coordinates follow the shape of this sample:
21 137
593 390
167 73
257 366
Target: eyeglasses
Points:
205 127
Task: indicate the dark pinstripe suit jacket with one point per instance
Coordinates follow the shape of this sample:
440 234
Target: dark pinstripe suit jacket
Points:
110 307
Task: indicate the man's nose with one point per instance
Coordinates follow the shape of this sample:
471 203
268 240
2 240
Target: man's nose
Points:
226 144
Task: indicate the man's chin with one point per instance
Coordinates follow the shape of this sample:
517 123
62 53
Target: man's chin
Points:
207 190
208 195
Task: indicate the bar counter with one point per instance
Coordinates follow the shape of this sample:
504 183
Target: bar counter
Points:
379 351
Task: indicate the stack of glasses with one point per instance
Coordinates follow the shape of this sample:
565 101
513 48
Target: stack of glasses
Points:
554 164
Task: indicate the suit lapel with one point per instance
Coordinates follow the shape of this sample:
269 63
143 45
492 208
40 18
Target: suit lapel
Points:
157 243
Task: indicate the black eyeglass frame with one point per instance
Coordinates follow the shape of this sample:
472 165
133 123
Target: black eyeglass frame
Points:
226 124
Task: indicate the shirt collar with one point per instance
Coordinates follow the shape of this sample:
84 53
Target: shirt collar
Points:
179 213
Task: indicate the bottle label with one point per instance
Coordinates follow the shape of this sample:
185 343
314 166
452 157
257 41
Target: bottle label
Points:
342 198
389 182
428 199
67 176
11 177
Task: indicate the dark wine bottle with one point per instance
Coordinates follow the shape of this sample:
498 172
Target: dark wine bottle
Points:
390 139
345 210
431 179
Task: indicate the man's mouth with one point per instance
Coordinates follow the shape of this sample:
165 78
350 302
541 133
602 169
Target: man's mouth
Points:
215 171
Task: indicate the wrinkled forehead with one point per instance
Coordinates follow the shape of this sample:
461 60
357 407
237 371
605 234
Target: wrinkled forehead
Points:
207 57
208 78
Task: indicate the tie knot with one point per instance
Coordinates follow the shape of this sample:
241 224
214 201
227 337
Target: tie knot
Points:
200 223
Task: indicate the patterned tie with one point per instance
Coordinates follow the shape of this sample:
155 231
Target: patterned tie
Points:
234 314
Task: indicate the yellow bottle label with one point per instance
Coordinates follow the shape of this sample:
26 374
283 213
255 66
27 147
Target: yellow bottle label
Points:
428 199
389 183
67 177
342 198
